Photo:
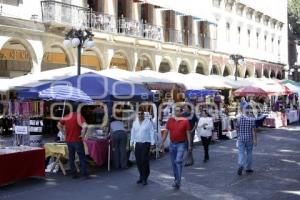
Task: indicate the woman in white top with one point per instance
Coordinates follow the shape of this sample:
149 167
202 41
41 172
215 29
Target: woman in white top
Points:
204 130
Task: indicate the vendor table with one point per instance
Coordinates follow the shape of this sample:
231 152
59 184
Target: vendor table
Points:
292 116
57 151
21 162
97 149
276 120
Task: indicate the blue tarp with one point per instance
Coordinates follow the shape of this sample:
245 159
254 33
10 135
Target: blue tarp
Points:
97 87
198 93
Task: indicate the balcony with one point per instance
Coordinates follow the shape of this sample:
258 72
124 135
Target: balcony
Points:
189 39
61 15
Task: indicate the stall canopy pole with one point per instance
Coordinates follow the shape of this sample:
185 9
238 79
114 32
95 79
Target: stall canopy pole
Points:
63 112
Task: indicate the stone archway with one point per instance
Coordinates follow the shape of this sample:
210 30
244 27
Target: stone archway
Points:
266 73
15 59
257 73
144 62
120 61
91 60
247 74
183 68
272 75
54 57
279 75
165 66
238 73
200 69
215 70
227 71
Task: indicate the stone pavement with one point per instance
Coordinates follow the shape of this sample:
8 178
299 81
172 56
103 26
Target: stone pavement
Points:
276 164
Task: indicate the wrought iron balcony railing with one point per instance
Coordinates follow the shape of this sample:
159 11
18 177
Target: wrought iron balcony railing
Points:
66 14
75 16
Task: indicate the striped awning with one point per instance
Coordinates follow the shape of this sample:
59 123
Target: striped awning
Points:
65 92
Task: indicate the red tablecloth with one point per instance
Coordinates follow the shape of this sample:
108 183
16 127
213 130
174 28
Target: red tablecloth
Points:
98 150
20 165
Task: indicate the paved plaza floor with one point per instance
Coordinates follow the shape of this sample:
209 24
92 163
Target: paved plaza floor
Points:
276 176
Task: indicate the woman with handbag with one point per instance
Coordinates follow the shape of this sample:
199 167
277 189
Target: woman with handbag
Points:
204 131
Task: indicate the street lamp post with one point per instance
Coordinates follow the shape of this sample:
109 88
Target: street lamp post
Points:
81 39
236 59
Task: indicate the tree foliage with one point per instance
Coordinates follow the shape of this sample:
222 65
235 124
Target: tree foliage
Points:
294 16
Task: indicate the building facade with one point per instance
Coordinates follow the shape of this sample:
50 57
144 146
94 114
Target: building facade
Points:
139 34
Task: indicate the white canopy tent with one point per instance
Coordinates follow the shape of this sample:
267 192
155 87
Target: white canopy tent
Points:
230 80
293 88
208 81
4 84
190 84
31 80
118 74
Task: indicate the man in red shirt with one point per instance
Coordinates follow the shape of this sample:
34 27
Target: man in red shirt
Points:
73 126
178 127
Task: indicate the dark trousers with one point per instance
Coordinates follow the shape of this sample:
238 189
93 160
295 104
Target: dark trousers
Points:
205 142
119 154
142 155
77 147
218 128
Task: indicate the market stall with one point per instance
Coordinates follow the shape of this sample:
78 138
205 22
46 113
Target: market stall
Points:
104 89
20 162
275 120
292 116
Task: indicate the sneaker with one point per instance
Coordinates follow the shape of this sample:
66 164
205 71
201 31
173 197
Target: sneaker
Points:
249 171
240 171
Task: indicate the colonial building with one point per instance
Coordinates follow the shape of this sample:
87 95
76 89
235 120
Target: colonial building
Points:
138 34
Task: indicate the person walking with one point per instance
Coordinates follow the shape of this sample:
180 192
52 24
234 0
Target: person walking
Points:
204 131
119 142
74 127
192 118
243 104
142 137
246 133
178 127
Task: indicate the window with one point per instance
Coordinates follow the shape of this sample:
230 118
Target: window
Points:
273 25
249 13
239 34
228 7
278 47
227 32
265 37
249 38
272 40
257 40
217 3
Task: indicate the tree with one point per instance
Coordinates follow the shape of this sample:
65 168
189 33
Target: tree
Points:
294 16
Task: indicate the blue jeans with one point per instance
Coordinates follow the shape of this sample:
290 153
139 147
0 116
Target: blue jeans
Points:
78 147
176 154
242 161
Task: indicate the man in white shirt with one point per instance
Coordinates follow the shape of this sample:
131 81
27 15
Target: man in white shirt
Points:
142 136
